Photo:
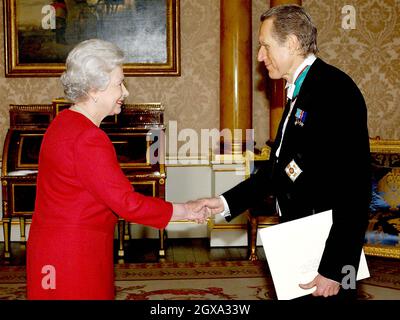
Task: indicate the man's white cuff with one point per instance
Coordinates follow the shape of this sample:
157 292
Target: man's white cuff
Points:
226 212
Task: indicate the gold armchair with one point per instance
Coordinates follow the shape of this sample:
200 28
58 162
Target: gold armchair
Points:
383 234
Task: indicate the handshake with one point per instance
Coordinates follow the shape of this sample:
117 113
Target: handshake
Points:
197 210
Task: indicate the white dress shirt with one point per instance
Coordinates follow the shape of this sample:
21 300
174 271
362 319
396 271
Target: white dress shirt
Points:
289 94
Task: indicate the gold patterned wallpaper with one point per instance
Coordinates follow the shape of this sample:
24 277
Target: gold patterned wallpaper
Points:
369 53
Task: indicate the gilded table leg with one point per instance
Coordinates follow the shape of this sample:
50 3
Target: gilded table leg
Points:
22 228
7 232
252 236
162 235
121 229
127 231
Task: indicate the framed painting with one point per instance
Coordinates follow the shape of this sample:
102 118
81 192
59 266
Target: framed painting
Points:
40 33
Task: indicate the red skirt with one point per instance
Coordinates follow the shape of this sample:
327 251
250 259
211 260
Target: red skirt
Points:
73 262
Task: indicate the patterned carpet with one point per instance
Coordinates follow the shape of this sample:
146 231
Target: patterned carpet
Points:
228 280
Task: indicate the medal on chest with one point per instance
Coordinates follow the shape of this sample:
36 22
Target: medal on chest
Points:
293 170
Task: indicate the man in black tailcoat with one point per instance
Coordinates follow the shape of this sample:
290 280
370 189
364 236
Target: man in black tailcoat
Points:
320 159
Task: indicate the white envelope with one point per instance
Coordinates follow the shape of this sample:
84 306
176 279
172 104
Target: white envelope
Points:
294 250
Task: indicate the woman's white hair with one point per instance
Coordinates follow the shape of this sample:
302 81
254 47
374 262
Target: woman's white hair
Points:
88 67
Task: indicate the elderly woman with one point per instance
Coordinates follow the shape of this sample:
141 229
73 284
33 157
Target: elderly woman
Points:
81 188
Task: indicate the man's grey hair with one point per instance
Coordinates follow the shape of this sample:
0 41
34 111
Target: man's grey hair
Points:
293 20
88 67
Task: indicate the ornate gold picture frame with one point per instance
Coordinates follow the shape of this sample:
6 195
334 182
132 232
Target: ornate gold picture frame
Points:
40 33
